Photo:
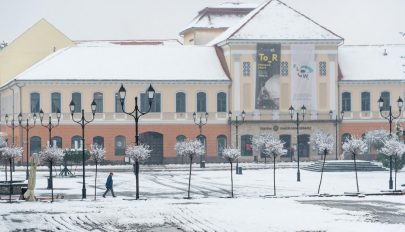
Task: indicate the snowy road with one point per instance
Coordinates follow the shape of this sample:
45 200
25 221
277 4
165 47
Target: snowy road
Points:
164 209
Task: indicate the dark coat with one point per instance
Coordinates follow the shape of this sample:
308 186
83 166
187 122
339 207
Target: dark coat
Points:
109 183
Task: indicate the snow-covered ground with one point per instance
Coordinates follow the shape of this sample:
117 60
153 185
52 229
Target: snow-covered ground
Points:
163 208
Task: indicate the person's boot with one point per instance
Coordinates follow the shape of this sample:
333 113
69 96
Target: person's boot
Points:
104 195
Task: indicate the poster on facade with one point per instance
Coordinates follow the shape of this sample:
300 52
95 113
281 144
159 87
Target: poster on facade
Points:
303 82
268 76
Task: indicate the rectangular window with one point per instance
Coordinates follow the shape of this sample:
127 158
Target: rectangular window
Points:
77 99
118 107
284 68
386 98
98 99
180 102
221 102
55 102
201 102
365 101
246 69
346 102
322 68
35 102
155 103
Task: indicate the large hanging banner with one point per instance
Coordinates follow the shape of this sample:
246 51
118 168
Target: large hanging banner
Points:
268 76
303 82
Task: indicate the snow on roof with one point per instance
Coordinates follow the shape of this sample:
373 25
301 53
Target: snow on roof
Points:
127 42
274 20
378 62
223 15
235 5
142 62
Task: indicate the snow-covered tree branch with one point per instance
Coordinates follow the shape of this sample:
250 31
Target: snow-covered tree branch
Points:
322 142
138 152
269 145
97 152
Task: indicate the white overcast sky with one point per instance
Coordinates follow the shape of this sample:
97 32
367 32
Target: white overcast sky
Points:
358 21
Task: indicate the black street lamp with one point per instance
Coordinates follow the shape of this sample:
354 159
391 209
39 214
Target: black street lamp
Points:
200 123
83 122
292 111
336 121
27 128
390 117
236 123
50 126
12 126
136 114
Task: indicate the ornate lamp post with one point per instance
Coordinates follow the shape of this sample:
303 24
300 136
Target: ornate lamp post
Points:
200 123
236 123
12 126
390 117
27 128
336 121
83 122
292 111
50 125
136 114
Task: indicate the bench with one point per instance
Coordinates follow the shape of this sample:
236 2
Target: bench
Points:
16 188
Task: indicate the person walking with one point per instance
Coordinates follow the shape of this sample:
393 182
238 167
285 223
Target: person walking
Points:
109 185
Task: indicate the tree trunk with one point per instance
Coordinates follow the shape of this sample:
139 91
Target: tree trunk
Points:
95 184
355 169
11 180
395 168
274 174
50 176
137 178
231 179
323 165
189 178
5 169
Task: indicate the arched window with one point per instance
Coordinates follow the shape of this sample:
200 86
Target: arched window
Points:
221 144
35 145
180 138
345 137
77 99
55 102
35 102
203 141
201 102
98 99
56 141
246 145
221 102
346 101
180 102
386 98
365 101
99 140
120 145
304 145
76 142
